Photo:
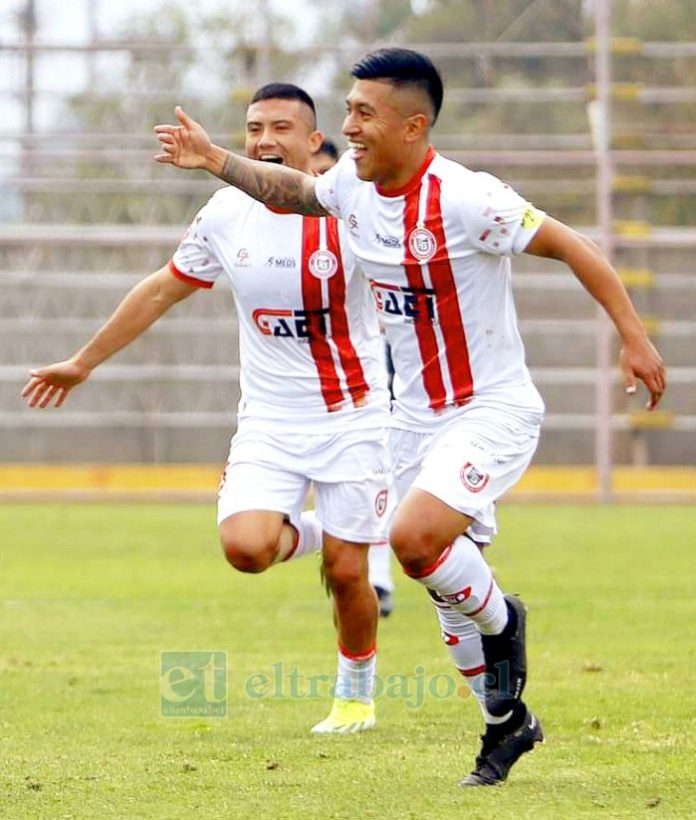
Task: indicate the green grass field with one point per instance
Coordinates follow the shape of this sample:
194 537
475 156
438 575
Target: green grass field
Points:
92 594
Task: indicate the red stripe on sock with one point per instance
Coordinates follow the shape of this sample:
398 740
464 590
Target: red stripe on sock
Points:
475 670
483 605
363 656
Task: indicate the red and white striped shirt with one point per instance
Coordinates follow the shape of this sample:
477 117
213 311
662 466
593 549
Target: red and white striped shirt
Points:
309 346
437 253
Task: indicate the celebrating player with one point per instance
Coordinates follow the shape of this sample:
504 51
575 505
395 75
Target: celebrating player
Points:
314 398
436 239
325 157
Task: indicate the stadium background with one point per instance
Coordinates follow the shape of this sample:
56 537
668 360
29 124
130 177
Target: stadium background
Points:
588 114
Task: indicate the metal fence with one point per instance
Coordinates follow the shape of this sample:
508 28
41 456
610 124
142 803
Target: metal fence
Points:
85 213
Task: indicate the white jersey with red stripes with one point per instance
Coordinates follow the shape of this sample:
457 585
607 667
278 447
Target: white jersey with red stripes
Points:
437 253
309 344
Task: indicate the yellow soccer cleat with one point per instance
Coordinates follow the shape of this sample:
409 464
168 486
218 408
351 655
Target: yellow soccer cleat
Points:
347 717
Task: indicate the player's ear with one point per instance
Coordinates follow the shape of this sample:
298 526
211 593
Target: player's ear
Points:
416 127
315 140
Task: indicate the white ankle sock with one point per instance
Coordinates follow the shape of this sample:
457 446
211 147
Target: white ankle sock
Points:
379 566
463 641
355 679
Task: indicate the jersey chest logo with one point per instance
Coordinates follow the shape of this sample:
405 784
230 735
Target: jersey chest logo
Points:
422 244
323 264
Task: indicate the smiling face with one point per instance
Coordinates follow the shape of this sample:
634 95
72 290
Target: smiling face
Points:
281 131
387 130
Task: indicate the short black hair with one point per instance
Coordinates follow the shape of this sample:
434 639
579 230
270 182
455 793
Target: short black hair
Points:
329 148
285 91
402 66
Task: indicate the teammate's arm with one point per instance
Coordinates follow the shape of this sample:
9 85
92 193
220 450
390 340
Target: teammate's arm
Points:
189 146
142 305
639 358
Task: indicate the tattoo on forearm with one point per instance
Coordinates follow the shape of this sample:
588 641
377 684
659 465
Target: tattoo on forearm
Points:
273 184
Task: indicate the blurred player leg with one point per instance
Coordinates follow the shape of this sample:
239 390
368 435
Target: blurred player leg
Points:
380 574
345 567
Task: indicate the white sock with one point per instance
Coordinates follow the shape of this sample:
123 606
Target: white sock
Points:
463 641
355 679
461 578
306 539
379 566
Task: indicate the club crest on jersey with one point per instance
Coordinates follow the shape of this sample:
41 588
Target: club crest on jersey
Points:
323 264
474 480
381 502
422 243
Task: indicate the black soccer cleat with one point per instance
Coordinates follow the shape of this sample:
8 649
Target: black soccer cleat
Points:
506 661
499 753
385 601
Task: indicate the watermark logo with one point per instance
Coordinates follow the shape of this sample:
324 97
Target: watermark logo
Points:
193 684
413 690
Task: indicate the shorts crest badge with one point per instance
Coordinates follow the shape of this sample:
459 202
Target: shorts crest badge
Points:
474 480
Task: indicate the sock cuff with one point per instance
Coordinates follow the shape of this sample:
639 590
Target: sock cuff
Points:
423 573
362 656
295 543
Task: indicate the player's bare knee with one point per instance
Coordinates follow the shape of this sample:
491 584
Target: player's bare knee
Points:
345 571
416 549
247 556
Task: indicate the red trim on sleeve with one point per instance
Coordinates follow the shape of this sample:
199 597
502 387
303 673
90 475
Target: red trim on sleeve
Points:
190 280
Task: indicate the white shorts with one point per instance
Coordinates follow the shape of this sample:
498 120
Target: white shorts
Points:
350 472
468 463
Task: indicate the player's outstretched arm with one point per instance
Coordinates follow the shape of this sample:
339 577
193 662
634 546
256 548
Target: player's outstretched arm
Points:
639 358
142 306
187 145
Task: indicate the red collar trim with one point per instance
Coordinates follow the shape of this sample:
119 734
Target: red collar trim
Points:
414 181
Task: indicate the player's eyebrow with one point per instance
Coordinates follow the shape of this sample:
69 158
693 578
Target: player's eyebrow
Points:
352 103
282 121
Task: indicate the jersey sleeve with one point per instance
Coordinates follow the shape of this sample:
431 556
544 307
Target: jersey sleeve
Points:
497 219
329 186
194 260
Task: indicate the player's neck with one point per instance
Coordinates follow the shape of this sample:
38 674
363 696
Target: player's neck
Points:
408 173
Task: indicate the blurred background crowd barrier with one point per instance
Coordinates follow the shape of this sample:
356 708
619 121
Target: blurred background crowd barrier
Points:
588 109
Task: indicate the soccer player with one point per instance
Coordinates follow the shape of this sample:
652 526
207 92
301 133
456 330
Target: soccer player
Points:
379 555
314 404
436 239
325 157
